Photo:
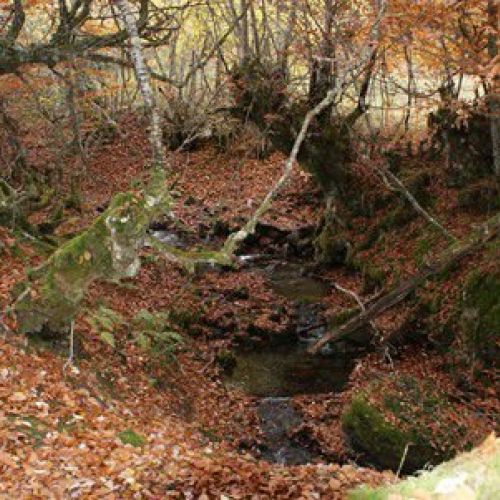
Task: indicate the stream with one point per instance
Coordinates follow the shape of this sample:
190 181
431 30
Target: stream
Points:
276 373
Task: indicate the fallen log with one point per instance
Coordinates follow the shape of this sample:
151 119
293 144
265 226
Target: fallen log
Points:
476 240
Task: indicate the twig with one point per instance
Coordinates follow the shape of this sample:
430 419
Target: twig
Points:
234 240
476 240
210 362
403 458
385 172
360 303
352 294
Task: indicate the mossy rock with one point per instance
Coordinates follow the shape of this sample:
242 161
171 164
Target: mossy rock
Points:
405 416
479 321
331 250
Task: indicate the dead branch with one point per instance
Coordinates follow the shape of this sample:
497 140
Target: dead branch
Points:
399 186
476 240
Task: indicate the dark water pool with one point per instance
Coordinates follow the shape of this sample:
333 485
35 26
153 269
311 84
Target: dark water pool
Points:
287 370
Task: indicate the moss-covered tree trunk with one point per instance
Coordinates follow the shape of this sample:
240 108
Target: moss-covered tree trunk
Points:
107 250
260 94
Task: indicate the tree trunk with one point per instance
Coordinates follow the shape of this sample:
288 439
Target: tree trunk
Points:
322 77
144 83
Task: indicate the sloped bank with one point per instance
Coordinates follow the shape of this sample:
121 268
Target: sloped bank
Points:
470 475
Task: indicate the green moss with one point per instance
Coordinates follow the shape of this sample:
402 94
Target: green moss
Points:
342 317
369 432
330 248
422 249
183 317
226 359
373 276
194 260
383 433
32 427
108 249
130 437
398 217
480 316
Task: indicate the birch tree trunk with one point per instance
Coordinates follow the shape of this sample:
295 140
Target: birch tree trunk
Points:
144 83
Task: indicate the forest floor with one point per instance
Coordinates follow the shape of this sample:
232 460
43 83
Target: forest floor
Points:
115 423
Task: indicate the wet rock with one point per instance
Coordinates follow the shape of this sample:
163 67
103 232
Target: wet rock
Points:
470 475
288 280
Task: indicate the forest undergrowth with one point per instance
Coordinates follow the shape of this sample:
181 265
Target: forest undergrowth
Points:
115 422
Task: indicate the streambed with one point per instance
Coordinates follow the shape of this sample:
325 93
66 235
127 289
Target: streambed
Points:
276 373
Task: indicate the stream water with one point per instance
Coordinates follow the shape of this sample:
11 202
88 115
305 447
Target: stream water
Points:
277 372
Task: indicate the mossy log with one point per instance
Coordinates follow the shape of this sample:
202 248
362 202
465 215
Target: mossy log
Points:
108 249
476 240
193 260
